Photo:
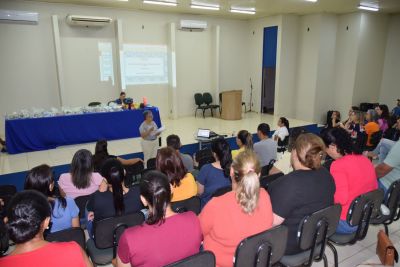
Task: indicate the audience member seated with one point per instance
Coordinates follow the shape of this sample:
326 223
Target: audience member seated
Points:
353 124
350 113
81 180
334 121
266 147
64 211
215 175
175 142
283 130
396 110
383 113
244 140
389 170
170 163
166 236
394 132
245 211
307 189
28 216
353 173
3 145
117 200
101 155
121 100
371 126
148 132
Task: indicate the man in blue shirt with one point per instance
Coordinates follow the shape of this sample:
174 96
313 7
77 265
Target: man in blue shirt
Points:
121 99
396 110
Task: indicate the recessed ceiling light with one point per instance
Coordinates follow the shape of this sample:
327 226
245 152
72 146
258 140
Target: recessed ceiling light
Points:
160 2
369 8
243 10
201 5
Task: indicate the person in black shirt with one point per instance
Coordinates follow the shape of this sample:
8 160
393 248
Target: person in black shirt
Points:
307 189
117 200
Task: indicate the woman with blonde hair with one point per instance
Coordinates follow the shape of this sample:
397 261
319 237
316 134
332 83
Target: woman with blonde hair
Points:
307 189
243 212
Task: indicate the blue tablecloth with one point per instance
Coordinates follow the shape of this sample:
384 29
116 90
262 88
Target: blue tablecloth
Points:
24 135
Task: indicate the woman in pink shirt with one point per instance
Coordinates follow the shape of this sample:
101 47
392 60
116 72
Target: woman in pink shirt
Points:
353 173
81 180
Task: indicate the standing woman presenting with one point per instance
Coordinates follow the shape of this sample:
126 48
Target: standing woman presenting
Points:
148 132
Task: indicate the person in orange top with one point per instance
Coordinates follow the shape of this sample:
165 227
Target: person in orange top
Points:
170 163
372 126
245 211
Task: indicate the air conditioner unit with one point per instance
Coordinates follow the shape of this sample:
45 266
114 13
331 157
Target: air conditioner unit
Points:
193 25
19 16
86 21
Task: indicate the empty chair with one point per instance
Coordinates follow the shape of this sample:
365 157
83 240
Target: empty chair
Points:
198 99
151 164
133 173
263 249
72 234
313 233
364 208
94 104
202 259
207 98
393 203
190 204
103 247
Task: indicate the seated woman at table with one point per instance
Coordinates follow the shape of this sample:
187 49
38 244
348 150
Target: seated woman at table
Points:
101 155
244 140
148 132
81 180
170 163
65 213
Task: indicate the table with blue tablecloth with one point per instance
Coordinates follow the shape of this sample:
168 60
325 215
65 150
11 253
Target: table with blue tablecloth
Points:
33 134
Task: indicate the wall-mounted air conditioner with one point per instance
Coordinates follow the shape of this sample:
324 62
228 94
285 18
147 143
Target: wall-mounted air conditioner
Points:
19 16
86 21
196 25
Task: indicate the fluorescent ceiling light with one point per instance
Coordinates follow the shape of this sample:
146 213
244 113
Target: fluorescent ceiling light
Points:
369 8
312 1
160 2
243 10
200 5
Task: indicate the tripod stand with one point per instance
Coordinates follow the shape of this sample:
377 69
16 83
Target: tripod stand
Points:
251 96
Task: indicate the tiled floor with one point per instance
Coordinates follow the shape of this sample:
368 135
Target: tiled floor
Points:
184 127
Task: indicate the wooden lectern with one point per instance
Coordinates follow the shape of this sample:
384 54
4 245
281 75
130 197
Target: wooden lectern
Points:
231 105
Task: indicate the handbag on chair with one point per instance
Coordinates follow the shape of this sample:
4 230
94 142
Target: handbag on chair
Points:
385 250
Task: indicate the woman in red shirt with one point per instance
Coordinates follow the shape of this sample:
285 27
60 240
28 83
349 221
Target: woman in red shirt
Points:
28 215
353 173
245 211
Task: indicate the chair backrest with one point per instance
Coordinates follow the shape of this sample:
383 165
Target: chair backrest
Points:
393 201
315 229
364 208
81 203
72 234
133 173
202 259
262 249
190 204
94 104
265 170
151 164
198 99
265 181
222 191
107 231
284 142
207 98
375 138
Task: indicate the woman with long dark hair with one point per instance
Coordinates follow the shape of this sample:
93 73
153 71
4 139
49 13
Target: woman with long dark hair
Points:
173 235
183 183
101 155
118 199
244 140
65 213
81 180
215 175
282 131
28 216
384 117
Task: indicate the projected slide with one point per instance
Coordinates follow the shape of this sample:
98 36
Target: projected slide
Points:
106 62
144 64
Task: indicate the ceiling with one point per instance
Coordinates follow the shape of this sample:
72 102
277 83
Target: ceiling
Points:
263 7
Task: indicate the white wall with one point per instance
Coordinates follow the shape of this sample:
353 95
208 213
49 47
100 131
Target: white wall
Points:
390 87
